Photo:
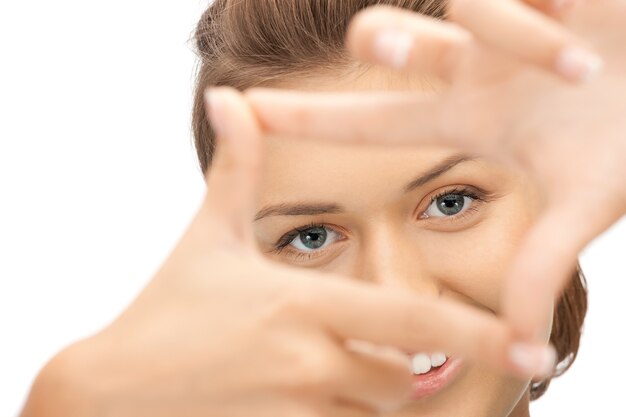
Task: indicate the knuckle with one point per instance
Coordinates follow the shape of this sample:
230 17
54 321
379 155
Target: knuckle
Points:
309 366
452 58
302 120
297 296
293 300
319 367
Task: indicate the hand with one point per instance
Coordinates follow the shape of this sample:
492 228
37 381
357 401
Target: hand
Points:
220 331
570 138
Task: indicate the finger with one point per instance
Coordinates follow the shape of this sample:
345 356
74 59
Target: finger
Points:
555 8
340 407
377 376
268 405
347 411
403 39
415 324
233 177
547 261
402 118
506 24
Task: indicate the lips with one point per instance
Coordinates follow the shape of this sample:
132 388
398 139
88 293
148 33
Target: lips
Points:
432 373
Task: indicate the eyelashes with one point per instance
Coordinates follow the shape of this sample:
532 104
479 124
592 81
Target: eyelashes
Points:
475 196
472 196
288 238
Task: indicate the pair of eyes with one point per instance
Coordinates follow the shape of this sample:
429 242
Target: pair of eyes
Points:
315 238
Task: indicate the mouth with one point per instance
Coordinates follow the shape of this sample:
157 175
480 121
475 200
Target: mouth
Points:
432 373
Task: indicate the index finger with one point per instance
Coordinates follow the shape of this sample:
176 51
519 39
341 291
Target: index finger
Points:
406 39
401 118
505 24
416 323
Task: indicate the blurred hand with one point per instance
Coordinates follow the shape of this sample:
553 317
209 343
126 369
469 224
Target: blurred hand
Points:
220 331
502 99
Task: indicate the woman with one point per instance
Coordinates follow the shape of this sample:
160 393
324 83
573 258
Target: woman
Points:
433 229
360 212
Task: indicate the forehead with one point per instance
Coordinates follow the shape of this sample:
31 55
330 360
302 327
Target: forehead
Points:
303 170
308 169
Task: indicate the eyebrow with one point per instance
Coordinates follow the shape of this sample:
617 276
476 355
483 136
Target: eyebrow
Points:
438 170
313 209
298 209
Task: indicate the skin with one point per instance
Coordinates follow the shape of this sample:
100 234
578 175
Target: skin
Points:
223 331
288 330
379 237
502 108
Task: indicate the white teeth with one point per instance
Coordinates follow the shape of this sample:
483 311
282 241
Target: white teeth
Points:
437 359
421 363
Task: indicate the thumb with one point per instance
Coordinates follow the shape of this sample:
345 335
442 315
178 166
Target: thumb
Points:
233 177
547 262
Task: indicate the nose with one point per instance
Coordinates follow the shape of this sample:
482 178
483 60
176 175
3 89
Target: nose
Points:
388 256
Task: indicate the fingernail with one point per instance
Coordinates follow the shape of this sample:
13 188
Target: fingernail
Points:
578 64
215 110
533 359
393 47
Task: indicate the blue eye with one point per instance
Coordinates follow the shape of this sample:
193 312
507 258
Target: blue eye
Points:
314 238
449 205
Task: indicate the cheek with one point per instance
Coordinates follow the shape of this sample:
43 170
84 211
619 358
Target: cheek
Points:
474 263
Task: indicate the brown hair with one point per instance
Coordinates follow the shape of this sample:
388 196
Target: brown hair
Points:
246 43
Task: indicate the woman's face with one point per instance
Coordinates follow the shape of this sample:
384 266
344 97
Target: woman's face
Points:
434 221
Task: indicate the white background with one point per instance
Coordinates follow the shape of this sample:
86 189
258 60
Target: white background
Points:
98 179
